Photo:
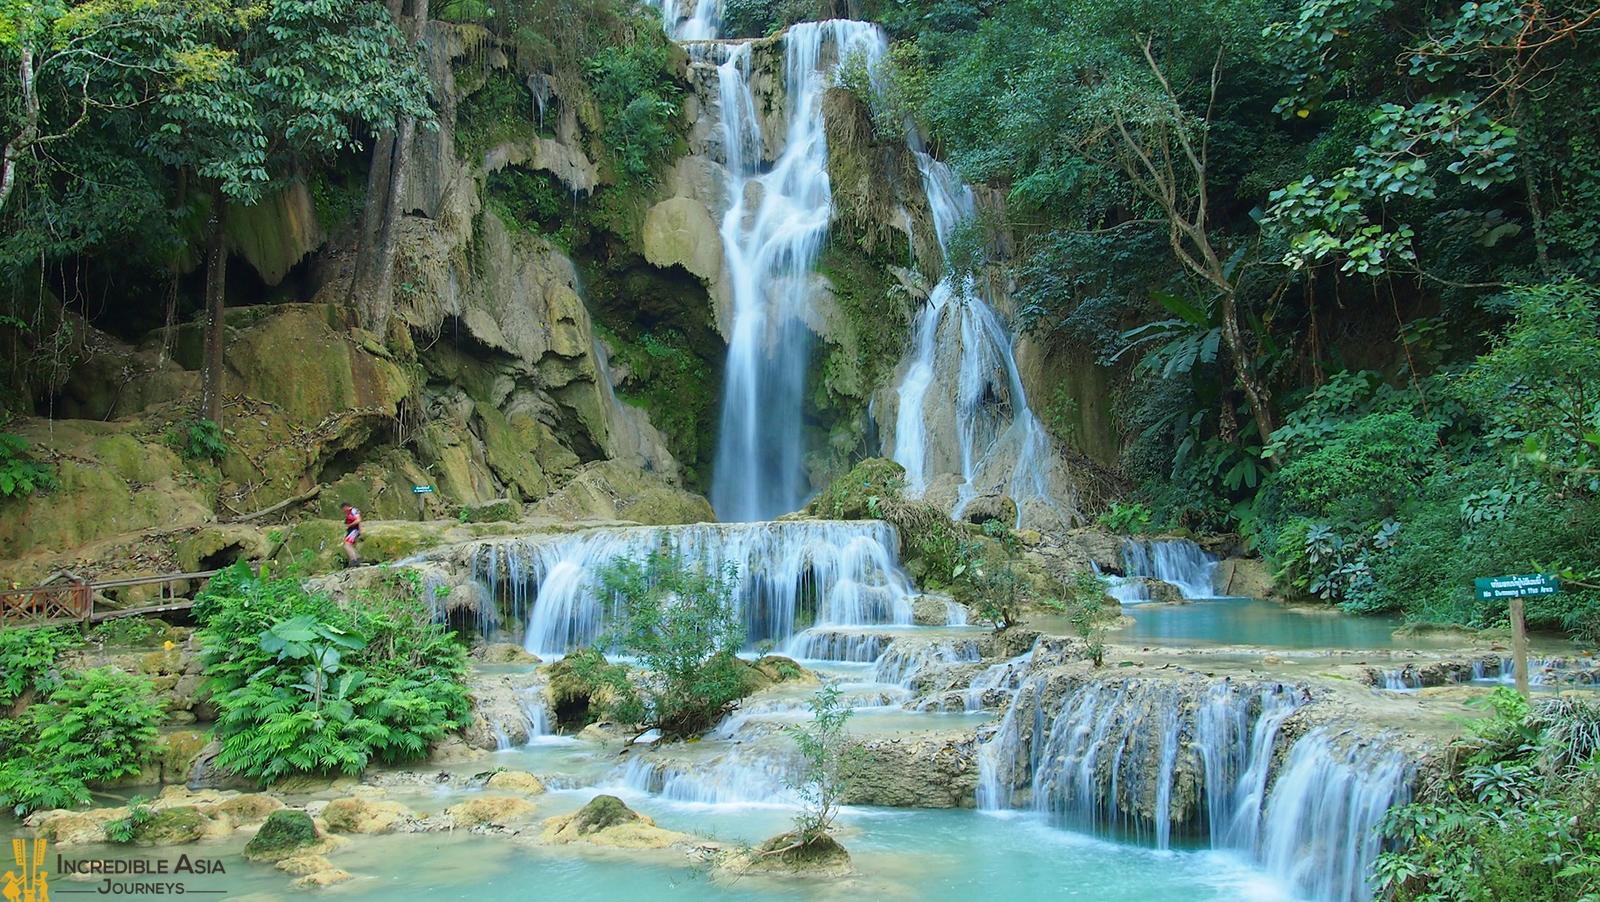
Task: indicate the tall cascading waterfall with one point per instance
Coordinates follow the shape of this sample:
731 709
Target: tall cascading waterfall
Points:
826 575
772 234
962 408
1138 756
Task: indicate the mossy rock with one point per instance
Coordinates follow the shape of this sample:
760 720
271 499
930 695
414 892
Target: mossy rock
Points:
492 511
849 496
603 811
177 752
172 826
785 854
284 834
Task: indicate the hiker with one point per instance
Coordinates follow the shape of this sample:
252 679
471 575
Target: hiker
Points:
352 532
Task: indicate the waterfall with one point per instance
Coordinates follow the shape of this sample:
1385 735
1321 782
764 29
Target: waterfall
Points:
906 661
791 575
1177 561
960 391
1140 756
1133 755
772 234
1321 830
744 774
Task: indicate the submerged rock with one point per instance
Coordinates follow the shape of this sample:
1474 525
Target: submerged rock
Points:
497 811
515 781
302 865
606 821
505 653
322 878
363 816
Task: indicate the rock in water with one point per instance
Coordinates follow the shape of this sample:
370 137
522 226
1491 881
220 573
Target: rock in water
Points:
606 821
285 834
786 855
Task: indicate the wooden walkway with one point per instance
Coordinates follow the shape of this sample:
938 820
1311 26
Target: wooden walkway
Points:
72 600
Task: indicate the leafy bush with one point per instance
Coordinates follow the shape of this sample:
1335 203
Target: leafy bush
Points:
20 475
98 725
1514 817
828 757
638 97
123 829
28 661
1128 518
680 620
303 685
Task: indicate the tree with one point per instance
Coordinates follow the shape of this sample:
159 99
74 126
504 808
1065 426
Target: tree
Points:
680 620
1166 153
827 755
267 88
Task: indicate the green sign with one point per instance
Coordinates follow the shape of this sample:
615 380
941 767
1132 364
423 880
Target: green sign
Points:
422 489
1492 587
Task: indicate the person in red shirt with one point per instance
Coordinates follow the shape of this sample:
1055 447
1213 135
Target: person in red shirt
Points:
352 532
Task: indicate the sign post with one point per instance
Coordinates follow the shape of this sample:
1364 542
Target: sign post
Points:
422 492
1516 588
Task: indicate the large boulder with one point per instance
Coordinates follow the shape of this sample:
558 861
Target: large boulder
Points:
679 231
286 834
612 490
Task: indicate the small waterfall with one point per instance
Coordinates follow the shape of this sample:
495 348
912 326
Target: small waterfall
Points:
822 574
960 390
1177 561
906 661
1003 677
772 234
1321 829
1400 679
743 774
1134 756
695 20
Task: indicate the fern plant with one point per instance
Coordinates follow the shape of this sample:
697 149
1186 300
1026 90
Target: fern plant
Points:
28 661
304 686
20 475
99 725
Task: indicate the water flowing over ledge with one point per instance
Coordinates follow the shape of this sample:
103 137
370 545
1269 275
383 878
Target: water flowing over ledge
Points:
825 575
1177 562
1143 757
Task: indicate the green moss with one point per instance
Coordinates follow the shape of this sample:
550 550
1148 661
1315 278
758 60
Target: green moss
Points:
496 112
171 826
603 811
677 387
284 833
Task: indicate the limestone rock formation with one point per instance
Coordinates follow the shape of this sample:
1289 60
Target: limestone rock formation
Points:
606 821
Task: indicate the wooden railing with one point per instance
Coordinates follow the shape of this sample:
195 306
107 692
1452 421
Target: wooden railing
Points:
73 600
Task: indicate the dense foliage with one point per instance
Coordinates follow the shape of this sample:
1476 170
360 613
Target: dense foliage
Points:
97 725
679 619
1350 302
1517 815
303 685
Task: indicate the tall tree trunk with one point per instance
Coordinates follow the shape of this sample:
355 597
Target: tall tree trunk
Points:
1244 366
372 287
29 133
216 282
